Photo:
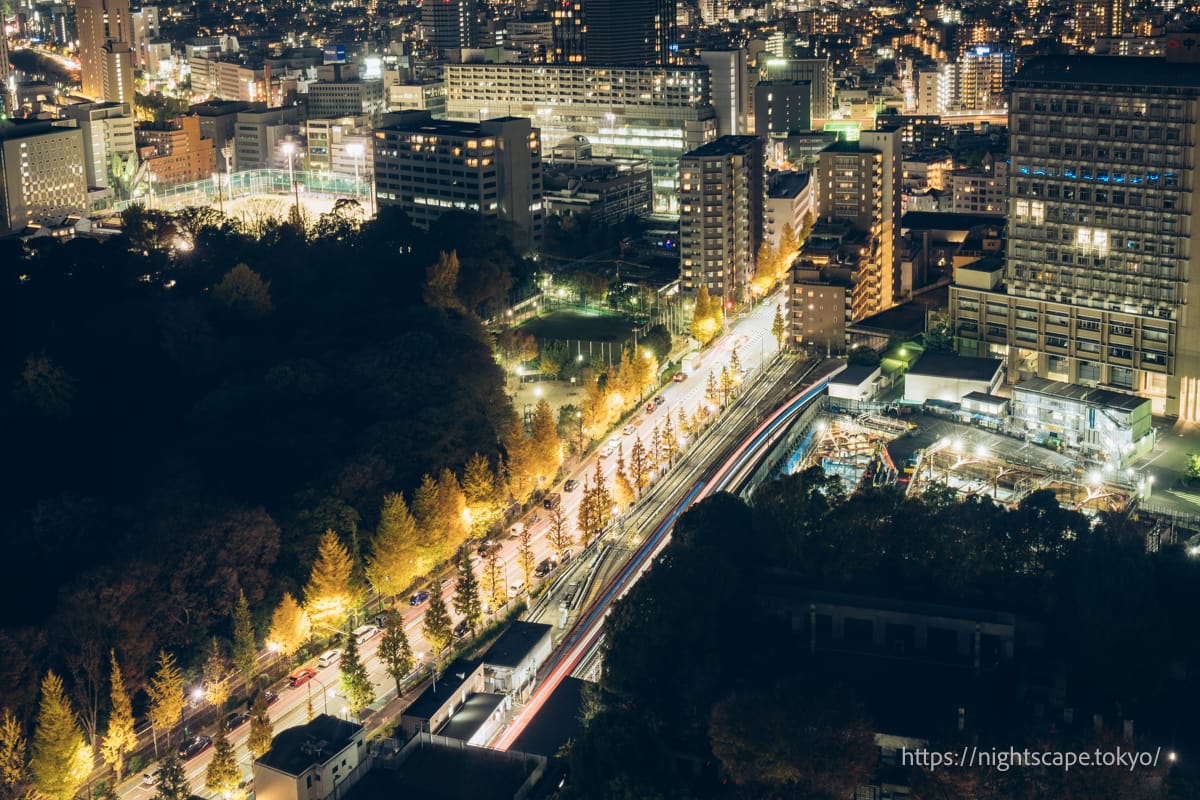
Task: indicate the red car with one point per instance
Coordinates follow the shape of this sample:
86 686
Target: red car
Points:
650 406
679 377
301 676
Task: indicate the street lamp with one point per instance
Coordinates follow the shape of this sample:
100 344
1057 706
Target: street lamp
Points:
325 693
355 151
289 149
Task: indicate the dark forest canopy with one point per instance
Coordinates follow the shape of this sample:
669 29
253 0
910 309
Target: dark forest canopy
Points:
706 693
179 427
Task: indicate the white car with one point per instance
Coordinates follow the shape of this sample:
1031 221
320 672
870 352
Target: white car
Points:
151 777
614 442
329 658
365 632
606 451
629 430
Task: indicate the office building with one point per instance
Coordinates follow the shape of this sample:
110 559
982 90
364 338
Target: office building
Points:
426 96
627 112
218 122
494 168
816 71
259 134
340 92
108 140
721 215
609 190
730 94
1097 19
860 182
227 78
342 145
567 33
174 151
450 24
42 174
105 49
1102 237
782 108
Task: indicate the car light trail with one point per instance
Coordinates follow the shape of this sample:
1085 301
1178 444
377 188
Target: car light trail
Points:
585 634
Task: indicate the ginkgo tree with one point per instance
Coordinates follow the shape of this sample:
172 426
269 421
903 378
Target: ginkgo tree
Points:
328 595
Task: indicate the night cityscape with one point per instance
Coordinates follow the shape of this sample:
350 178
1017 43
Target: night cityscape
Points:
599 399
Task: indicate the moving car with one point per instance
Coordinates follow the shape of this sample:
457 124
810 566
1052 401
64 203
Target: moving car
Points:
151 777
418 598
193 747
606 451
551 502
301 676
650 407
329 658
658 401
679 377
570 485
272 698
235 720
365 633
544 568
629 430
461 629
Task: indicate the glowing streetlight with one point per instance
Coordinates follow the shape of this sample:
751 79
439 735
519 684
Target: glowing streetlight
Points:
357 151
289 149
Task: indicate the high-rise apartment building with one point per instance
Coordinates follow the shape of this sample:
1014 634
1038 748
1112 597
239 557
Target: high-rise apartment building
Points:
614 32
1102 233
108 140
861 183
721 215
42 175
450 24
652 113
493 168
105 49
7 95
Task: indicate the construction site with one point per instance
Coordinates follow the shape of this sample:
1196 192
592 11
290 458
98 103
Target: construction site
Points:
914 452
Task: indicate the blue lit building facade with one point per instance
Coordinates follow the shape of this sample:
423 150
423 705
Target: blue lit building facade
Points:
1098 286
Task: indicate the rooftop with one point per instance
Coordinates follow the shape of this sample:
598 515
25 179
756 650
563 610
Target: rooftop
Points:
439 772
1143 72
515 644
448 682
470 716
725 146
787 184
855 374
1102 398
946 221
296 749
946 365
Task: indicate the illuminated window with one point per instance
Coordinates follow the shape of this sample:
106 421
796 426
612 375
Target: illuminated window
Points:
1091 240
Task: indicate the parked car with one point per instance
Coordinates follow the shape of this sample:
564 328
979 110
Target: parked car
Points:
461 629
571 485
329 658
679 377
418 598
301 676
193 747
235 720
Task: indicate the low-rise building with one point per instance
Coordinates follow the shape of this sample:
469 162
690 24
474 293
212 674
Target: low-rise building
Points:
439 702
310 761
175 152
1110 425
948 378
512 661
980 190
